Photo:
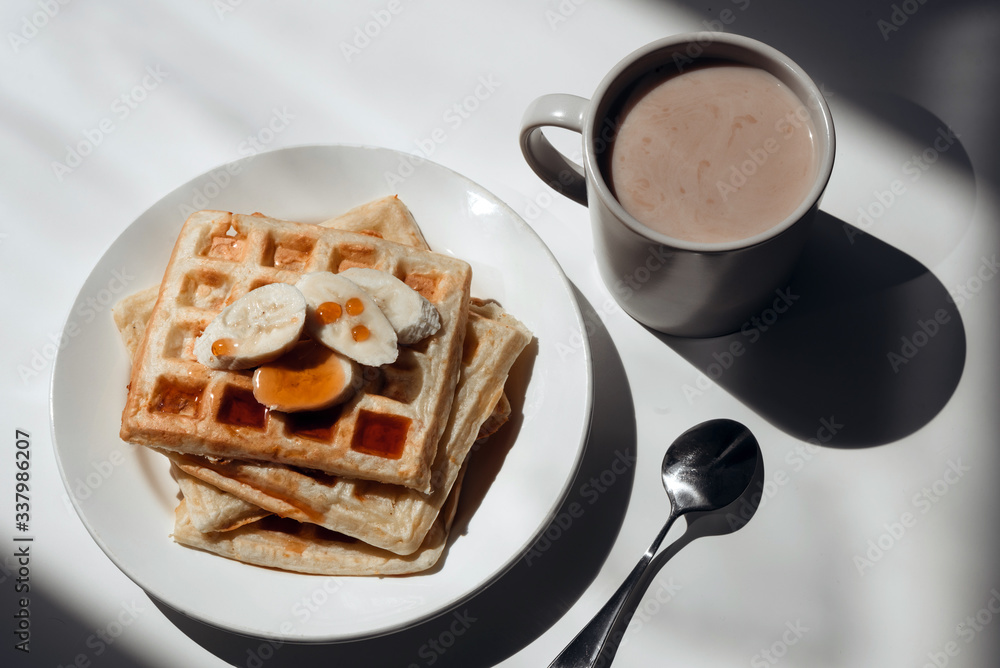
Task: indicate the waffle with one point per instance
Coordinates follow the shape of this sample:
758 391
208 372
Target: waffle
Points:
210 509
176 404
387 218
131 315
499 416
216 521
306 548
388 516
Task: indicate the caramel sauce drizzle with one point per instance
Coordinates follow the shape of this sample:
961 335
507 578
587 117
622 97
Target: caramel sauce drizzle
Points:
298 378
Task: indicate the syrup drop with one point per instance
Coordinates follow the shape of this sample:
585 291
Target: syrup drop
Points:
355 306
225 347
360 333
328 312
310 377
381 435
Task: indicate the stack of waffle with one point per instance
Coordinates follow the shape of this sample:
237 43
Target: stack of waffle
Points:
298 491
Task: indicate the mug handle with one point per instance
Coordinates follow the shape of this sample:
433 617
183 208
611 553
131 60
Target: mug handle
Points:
559 172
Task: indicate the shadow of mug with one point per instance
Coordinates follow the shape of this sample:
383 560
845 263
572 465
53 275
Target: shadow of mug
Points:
863 347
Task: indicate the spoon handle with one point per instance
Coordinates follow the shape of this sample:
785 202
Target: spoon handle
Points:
591 644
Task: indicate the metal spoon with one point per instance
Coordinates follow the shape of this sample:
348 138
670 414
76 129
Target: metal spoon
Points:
707 468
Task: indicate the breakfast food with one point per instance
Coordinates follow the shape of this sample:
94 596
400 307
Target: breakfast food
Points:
285 491
305 548
260 326
411 315
209 509
342 316
311 377
387 218
131 315
389 432
388 516
276 542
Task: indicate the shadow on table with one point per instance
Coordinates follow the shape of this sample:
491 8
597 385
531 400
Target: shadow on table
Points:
53 633
523 602
863 347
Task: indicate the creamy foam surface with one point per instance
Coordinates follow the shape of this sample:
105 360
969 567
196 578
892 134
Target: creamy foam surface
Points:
718 153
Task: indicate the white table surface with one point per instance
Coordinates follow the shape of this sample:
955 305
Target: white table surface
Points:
884 555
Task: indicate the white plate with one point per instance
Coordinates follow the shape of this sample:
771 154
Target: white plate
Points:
124 493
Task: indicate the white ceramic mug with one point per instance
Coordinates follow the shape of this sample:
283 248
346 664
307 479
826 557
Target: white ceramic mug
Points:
679 287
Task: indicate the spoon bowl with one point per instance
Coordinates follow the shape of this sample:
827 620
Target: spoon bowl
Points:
706 468
709 466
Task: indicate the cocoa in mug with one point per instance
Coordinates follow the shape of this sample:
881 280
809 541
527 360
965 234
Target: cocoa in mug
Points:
719 152
706 187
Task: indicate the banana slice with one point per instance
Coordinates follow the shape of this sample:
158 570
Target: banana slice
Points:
310 377
411 314
342 316
258 327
